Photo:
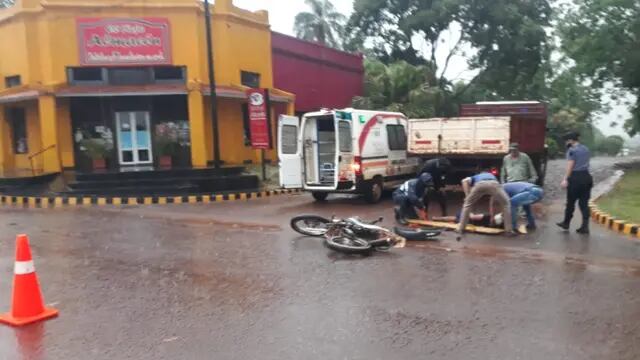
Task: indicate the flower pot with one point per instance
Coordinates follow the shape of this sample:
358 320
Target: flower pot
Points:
165 161
99 164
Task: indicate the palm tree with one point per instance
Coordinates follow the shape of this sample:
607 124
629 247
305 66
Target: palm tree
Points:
323 24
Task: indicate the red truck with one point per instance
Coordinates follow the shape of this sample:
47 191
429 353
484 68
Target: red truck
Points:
480 137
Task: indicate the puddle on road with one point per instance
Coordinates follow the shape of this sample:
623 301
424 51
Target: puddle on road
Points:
199 220
574 262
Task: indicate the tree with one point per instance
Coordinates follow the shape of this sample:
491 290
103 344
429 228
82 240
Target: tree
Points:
508 38
611 145
6 3
603 37
572 106
323 24
413 90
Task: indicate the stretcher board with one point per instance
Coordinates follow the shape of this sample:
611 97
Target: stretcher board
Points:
453 226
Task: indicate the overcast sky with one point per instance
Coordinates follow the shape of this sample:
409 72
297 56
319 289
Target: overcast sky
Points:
283 12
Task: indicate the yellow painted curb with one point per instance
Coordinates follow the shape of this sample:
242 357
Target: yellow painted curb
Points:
611 223
77 201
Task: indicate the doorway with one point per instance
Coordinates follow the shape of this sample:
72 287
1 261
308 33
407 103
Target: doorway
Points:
134 138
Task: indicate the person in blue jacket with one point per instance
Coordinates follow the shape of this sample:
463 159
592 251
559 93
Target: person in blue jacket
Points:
409 197
523 194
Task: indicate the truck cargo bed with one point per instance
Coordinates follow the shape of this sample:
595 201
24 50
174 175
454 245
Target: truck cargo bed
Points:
460 136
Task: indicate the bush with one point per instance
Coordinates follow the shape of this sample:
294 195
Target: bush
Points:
553 149
611 145
95 148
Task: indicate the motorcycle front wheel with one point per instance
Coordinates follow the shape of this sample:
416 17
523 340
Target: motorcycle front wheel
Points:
348 245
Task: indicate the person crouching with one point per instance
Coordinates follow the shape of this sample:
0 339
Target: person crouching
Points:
475 188
409 197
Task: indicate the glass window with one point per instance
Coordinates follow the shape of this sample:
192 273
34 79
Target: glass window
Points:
169 73
12 81
289 139
17 118
130 76
84 75
143 155
250 79
344 136
397 137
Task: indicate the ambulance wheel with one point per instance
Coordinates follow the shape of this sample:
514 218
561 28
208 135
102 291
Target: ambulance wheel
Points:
319 196
374 191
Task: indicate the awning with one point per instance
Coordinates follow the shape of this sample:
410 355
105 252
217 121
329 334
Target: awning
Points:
224 91
240 92
19 96
121 90
68 91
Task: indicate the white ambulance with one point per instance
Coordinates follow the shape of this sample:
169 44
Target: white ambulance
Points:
345 151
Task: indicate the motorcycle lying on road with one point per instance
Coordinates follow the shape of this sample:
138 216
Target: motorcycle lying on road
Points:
354 236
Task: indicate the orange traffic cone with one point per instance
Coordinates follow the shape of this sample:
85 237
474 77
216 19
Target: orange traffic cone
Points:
27 305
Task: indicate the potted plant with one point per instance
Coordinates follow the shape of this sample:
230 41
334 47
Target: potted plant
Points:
98 150
167 149
167 144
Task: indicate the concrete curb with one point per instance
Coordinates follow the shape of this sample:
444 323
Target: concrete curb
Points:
610 222
50 202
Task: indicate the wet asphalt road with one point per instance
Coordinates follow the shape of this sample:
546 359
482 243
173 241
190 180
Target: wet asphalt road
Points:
232 281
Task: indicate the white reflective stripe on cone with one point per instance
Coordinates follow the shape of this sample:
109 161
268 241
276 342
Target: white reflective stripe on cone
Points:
24 268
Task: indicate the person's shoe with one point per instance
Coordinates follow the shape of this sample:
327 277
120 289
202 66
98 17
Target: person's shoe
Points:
522 230
563 225
531 227
583 230
399 218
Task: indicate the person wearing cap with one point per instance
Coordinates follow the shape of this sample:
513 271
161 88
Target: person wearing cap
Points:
475 188
578 182
523 195
438 169
517 166
409 197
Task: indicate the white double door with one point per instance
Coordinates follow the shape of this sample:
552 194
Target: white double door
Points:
134 138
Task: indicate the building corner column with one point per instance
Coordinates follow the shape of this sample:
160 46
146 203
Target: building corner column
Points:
47 115
291 108
3 140
197 128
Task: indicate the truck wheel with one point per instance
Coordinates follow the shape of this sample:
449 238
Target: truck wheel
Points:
373 193
319 196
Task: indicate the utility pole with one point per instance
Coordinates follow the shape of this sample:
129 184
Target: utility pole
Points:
212 86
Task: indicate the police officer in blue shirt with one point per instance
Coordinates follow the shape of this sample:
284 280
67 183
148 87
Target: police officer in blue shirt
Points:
409 196
577 181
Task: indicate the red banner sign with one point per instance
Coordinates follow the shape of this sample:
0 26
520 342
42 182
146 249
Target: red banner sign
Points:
113 42
259 119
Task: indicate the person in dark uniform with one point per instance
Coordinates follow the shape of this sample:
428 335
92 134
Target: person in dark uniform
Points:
577 181
409 197
438 169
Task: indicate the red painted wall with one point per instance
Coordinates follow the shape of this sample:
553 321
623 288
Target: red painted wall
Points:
319 76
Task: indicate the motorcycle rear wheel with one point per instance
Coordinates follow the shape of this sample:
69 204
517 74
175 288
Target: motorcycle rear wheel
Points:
310 225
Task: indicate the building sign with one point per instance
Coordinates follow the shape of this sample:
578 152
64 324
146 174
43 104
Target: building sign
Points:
114 42
259 119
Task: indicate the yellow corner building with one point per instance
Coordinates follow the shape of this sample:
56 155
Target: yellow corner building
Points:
113 85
